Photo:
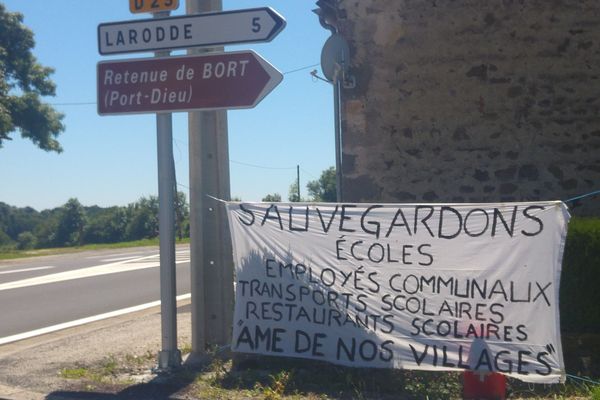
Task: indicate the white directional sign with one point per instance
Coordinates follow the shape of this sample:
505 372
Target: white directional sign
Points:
208 29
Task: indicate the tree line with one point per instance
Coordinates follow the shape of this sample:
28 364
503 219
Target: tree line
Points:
73 224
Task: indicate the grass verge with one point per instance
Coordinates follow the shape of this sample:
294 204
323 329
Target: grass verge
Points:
270 378
14 254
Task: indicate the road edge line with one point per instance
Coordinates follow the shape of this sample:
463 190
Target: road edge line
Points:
83 321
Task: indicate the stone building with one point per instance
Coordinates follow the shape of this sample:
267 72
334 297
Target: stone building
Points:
470 100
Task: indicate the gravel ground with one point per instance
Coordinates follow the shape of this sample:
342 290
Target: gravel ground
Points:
30 369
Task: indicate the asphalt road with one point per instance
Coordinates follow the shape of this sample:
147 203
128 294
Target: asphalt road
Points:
45 293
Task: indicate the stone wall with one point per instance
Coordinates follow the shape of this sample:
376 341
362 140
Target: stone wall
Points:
472 100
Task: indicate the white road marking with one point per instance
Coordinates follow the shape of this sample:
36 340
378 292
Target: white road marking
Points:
82 321
105 269
118 259
15 271
134 254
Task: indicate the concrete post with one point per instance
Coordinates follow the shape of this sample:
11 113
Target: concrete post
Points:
210 244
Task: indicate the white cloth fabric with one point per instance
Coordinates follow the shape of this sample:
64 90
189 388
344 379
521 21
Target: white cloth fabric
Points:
415 286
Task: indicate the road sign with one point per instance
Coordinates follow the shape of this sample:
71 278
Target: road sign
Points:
141 6
199 82
207 29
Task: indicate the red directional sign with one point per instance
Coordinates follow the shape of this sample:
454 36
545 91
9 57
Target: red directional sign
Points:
199 82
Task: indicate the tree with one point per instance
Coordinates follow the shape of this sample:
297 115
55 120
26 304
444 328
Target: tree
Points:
15 221
323 189
22 83
45 231
272 198
293 193
182 216
105 225
71 222
5 240
26 241
142 219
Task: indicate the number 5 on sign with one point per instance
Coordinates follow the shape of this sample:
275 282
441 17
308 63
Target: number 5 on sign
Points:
140 6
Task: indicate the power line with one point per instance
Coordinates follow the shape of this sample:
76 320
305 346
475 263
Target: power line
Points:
248 164
300 69
245 163
306 172
258 166
89 103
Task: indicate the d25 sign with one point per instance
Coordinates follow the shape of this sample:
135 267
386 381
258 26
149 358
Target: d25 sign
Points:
141 6
212 81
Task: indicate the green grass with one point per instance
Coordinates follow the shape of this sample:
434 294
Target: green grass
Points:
596 393
14 254
288 379
111 370
270 378
73 373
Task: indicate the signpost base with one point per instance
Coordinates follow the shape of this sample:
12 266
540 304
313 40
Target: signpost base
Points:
169 358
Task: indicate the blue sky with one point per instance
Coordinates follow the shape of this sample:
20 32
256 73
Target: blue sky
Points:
111 160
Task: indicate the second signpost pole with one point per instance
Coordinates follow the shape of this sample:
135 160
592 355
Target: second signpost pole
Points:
211 262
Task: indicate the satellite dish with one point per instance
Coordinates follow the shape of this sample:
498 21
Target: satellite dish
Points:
335 54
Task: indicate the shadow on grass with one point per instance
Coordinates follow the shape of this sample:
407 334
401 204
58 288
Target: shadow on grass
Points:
262 377
272 377
164 386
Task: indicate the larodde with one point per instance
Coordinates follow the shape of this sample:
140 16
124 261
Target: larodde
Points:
133 36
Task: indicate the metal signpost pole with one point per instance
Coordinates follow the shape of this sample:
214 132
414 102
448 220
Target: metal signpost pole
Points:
169 355
210 249
334 57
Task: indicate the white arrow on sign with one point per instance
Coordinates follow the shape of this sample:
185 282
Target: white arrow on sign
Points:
208 29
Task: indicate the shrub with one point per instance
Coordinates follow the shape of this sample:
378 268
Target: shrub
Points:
580 281
26 241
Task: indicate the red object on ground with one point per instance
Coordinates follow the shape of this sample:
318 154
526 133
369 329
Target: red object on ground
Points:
481 385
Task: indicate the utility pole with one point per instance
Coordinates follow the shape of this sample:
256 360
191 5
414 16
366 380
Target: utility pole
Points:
337 113
298 176
169 356
211 261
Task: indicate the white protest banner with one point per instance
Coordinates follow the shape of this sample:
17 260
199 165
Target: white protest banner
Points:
417 286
